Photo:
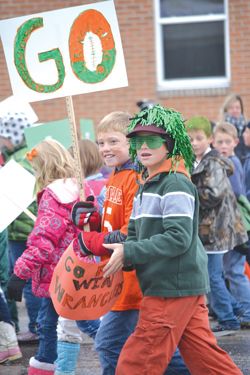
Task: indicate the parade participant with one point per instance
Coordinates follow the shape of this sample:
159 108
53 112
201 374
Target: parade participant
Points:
225 139
13 147
164 248
53 232
119 323
232 111
9 349
68 334
220 226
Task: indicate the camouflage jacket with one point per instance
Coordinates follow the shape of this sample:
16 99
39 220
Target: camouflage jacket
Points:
220 224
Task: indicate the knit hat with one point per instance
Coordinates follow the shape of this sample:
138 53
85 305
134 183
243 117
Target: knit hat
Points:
12 126
168 122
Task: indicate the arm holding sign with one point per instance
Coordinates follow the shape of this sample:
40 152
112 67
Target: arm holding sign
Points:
84 213
90 243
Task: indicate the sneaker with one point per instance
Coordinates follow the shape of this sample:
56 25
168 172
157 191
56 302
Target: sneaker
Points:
11 354
27 337
245 325
224 330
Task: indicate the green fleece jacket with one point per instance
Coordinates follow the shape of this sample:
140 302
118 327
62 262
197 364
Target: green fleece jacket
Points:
163 243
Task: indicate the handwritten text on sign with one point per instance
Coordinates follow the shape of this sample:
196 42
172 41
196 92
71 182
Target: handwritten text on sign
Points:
65 52
79 290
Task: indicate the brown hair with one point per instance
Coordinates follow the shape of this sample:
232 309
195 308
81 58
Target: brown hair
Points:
114 121
91 160
226 128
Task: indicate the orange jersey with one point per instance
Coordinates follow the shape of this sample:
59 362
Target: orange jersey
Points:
121 189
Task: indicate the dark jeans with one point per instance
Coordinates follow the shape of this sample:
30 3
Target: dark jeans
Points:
47 325
33 303
222 302
4 310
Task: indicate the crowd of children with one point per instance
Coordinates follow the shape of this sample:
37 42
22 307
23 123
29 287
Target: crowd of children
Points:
169 219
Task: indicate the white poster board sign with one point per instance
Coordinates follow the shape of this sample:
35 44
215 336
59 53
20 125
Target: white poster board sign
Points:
16 104
64 52
16 192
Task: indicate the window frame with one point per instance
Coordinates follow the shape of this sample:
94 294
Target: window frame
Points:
190 83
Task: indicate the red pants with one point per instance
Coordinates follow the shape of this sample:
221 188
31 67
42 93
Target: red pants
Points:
164 324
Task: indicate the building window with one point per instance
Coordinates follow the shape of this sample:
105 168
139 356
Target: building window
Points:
192 44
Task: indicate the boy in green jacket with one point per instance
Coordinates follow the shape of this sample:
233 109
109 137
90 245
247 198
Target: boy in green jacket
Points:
164 248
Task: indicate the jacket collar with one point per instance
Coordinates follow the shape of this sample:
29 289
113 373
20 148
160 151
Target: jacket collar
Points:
225 162
166 167
126 166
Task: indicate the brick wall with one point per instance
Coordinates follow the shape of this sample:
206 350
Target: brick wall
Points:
136 24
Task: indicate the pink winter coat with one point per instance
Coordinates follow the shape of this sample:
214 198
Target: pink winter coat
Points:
52 234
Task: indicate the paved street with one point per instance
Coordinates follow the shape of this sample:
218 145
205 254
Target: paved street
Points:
237 345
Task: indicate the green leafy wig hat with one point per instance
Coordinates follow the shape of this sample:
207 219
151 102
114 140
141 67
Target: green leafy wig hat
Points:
165 122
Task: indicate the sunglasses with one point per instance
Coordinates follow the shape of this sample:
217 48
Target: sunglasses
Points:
152 141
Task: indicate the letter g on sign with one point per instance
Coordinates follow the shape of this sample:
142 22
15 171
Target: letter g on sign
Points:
21 40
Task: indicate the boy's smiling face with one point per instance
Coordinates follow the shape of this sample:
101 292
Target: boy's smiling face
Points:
224 143
151 158
199 141
113 147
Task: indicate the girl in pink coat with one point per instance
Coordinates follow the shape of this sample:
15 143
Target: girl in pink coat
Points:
53 232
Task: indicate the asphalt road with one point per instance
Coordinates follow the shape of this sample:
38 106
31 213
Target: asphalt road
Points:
237 345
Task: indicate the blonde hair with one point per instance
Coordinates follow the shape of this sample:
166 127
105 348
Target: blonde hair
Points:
226 128
51 162
114 121
227 102
91 160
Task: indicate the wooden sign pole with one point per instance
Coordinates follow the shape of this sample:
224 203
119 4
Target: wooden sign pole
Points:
76 151
75 146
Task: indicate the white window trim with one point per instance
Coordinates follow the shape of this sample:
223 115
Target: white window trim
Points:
193 83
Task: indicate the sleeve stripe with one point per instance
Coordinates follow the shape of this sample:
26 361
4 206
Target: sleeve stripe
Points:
169 205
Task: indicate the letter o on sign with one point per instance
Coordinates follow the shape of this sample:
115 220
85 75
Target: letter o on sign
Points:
91 31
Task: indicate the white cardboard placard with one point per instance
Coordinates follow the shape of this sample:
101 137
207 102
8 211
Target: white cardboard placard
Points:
54 34
16 192
16 104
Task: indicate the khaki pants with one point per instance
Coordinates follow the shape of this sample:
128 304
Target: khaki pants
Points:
164 324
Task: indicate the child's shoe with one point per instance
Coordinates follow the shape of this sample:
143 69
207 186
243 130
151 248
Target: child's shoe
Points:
226 329
245 325
27 337
40 368
67 356
9 349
